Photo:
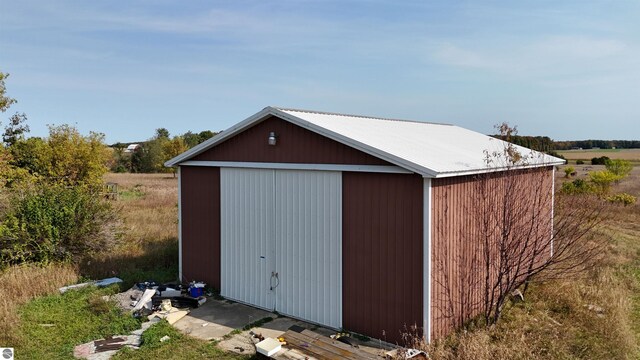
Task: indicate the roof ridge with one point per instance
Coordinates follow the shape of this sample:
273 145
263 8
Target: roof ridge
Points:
358 116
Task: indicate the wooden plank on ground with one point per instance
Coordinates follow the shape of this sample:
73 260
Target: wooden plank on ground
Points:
322 347
307 345
360 354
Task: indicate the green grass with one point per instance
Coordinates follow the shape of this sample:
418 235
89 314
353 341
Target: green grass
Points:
178 346
133 193
79 316
70 319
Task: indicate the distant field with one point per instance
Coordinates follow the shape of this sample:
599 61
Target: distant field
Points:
623 154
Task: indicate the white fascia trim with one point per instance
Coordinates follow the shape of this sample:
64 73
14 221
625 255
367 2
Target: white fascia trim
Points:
300 166
553 200
179 225
426 261
496 169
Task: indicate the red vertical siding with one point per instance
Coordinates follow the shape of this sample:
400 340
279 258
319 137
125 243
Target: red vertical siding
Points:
295 145
382 253
459 204
200 197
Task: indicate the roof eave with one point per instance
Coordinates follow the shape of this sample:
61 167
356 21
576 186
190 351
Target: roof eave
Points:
497 169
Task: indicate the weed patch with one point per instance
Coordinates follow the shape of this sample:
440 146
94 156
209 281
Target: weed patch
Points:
53 325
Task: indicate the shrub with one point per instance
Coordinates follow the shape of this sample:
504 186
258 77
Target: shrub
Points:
577 186
602 180
568 171
619 167
599 160
579 162
622 198
53 223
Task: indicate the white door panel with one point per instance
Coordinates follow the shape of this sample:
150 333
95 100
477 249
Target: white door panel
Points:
247 230
289 222
309 246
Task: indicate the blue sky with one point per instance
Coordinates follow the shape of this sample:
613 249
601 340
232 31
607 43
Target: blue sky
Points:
565 69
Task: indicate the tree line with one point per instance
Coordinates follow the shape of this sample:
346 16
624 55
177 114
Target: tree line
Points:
546 144
150 155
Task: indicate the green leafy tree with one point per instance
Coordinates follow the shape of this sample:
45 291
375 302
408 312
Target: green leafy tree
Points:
74 159
205 135
16 129
191 139
162 133
33 155
5 100
173 148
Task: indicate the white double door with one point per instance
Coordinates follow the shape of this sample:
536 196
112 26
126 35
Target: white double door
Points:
281 241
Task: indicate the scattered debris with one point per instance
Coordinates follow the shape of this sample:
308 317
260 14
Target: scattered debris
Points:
157 301
196 289
256 335
128 299
145 300
345 338
177 301
169 313
406 354
517 296
105 348
98 283
268 346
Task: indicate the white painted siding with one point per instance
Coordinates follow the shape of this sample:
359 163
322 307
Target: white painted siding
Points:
287 222
247 229
309 245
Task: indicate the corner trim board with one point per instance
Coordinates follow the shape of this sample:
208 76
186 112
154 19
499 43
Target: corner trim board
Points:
300 166
553 204
426 262
180 278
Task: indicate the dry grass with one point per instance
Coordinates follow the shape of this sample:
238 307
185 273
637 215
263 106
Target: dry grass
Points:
147 204
20 284
623 154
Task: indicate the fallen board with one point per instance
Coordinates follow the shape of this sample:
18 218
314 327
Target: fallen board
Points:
322 347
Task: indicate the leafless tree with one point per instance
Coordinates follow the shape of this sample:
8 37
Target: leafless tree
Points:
514 230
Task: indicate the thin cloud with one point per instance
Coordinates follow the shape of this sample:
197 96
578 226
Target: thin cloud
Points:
558 60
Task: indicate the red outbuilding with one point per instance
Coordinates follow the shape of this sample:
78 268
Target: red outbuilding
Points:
339 220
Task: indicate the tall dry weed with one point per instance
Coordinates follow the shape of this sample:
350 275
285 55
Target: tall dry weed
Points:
19 284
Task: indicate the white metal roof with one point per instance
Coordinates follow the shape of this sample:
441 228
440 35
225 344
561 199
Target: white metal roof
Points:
429 149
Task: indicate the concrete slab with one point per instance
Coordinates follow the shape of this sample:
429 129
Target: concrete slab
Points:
217 318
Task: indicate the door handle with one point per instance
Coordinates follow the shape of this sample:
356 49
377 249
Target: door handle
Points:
273 275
